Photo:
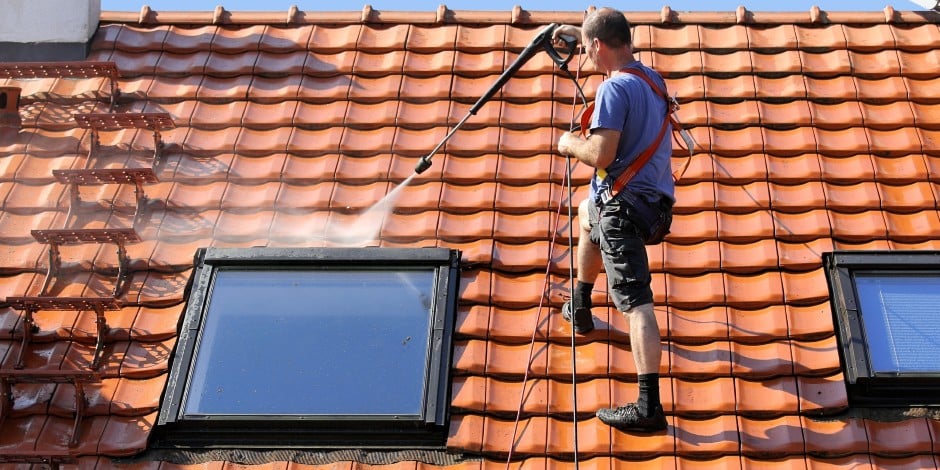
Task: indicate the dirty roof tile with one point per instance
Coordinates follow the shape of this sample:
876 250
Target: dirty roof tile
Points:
327 38
423 38
223 89
909 37
323 89
378 64
269 64
874 64
329 64
279 39
918 65
374 89
837 115
676 38
692 62
480 39
181 39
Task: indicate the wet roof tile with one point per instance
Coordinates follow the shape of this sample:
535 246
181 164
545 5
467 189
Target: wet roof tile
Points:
770 438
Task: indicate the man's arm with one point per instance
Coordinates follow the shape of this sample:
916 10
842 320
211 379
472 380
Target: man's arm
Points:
598 150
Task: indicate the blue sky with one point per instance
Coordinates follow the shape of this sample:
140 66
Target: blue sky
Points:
566 5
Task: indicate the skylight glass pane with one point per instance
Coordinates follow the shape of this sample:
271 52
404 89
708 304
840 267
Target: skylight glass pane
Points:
313 342
901 317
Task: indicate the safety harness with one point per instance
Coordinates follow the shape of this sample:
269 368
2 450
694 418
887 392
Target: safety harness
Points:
670 118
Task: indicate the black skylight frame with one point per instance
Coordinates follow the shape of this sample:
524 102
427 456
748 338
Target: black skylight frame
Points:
865 385
427 430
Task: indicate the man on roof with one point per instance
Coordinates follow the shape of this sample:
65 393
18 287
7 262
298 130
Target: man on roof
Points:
617 220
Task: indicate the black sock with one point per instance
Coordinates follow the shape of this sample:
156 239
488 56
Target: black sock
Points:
582 295
649 393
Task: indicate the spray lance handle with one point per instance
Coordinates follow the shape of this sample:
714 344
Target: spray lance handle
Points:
542 41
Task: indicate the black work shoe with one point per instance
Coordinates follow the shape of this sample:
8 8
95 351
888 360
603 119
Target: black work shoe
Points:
583 320
628 418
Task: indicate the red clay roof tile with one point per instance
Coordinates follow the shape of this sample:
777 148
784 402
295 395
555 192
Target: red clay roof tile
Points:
698 326
700 361
770 438
822 395
707 438
704 399
767 398
327 38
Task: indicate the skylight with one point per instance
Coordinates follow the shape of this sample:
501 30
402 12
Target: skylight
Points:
314 347
886 306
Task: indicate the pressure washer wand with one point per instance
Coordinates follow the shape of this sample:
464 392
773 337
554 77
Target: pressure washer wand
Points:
542 41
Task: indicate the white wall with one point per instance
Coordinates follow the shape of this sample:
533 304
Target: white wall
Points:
48 21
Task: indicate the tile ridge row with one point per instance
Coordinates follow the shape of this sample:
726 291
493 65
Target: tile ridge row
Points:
517 15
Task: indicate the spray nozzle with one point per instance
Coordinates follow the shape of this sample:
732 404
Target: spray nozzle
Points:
423 164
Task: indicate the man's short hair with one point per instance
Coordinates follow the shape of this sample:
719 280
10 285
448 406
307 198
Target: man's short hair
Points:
608 25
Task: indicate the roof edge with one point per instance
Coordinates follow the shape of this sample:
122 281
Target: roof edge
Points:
518 15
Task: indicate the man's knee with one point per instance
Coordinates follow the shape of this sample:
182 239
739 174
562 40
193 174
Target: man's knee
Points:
584 215
645 310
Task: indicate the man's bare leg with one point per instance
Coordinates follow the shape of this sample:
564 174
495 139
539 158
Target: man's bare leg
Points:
644 338
647 354
589 260
589 263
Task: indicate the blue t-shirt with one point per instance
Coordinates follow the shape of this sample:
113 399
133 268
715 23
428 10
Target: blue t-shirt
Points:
628 104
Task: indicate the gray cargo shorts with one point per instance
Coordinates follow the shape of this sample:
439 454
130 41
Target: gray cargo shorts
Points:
623 251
